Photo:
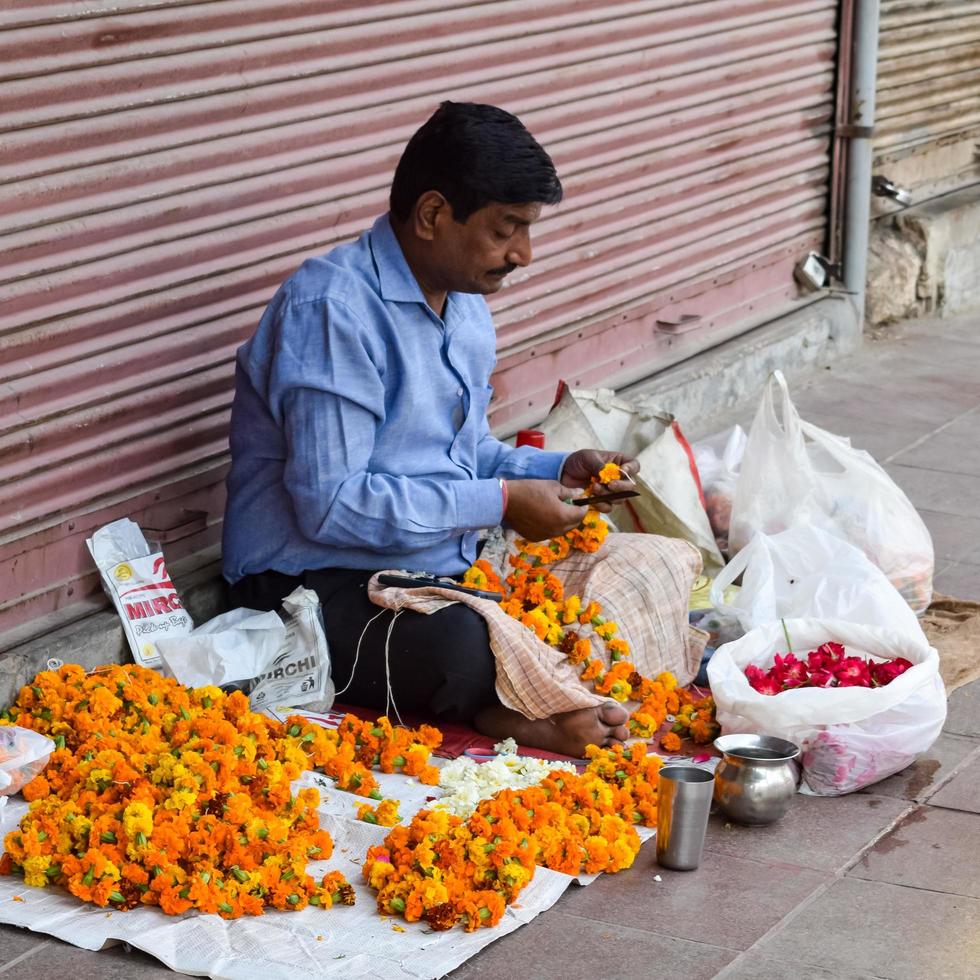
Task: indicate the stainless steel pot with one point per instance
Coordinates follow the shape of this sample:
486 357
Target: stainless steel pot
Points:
756 778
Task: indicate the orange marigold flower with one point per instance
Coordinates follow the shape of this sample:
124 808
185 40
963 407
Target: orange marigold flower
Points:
670 742
609 473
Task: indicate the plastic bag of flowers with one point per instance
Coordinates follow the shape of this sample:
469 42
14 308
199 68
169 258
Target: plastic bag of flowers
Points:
861 702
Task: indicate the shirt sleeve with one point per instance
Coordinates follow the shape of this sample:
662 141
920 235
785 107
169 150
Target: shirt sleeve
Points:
327 386
496 459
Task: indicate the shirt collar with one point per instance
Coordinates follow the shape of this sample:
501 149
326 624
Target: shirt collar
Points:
395 278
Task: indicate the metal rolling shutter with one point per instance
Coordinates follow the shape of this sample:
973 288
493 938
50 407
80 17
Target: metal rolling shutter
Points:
927 126
164 165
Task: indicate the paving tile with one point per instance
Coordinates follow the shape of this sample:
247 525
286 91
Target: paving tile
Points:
818 832
931 848
62 961
954 537
566 946
962 792
728 901
757 966
872 927
947 451
964 328
889 399
960 579
949 493
15 942
963 711
918 781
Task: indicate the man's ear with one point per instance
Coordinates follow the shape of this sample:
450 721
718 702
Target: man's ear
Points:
430 208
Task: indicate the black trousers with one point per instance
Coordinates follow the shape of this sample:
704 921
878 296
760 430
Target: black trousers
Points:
440 665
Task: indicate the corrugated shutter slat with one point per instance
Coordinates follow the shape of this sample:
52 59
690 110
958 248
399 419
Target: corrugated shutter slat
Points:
163 166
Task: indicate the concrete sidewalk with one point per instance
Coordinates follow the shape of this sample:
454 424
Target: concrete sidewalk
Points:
881 883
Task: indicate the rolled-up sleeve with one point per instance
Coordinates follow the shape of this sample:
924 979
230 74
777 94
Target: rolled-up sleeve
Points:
327 385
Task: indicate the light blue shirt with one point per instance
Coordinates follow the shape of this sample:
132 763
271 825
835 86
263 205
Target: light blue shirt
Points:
359 435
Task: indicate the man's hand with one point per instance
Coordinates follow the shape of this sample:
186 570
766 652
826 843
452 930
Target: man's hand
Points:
536 509
581 467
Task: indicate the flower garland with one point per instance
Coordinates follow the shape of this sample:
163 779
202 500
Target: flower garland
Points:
447 870
695 720
536 597
161 795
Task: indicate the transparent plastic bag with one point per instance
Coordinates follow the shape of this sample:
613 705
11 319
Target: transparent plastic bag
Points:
23 755
850 737
806 572
719 461
796 473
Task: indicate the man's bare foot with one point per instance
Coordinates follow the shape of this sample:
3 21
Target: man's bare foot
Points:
567 734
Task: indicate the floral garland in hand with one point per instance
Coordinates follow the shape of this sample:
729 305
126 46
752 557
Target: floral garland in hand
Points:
536 597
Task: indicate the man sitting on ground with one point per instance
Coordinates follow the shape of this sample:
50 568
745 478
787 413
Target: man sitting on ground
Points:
359 433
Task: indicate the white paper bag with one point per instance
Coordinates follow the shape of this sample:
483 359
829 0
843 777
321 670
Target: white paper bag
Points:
139 585
670 496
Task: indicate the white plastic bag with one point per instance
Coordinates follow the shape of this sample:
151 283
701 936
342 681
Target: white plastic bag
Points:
278 661
670 501
719 461
796 473
23 754
139 585
805 572
850 736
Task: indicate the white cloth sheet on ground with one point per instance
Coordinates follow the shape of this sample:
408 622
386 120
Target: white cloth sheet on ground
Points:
348 942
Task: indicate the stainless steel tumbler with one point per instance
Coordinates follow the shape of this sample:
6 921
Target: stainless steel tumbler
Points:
682 815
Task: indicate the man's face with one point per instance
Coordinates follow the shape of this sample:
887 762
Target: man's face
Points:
476 256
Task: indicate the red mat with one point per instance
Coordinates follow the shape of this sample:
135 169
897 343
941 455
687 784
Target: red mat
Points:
457 740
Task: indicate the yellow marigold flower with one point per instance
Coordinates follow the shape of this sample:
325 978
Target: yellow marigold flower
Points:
137 819
609 472
180 799
607 630
34 868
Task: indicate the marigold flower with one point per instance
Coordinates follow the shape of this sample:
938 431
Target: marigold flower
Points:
609 473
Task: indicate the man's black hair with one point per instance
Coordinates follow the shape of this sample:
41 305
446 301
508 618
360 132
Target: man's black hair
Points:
473 155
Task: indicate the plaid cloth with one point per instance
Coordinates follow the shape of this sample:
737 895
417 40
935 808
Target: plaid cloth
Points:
643 583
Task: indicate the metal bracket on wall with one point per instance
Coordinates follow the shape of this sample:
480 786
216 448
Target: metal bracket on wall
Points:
815 271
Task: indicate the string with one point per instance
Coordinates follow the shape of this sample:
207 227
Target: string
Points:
389 694
357 653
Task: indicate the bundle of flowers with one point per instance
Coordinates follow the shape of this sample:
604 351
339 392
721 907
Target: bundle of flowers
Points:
385 814
161 795
827 666
348 754
448 870
536 597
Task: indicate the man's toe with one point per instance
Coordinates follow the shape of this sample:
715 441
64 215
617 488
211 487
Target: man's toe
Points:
613 714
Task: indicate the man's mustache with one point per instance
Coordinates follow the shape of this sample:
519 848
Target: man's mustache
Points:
504 270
